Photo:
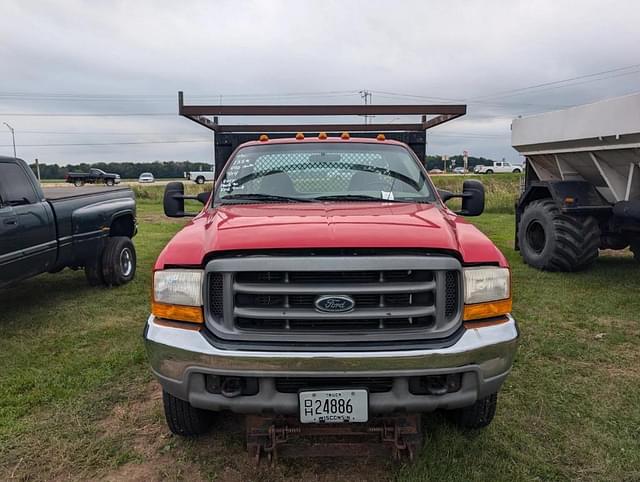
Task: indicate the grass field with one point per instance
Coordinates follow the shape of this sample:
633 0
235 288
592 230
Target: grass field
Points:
77 400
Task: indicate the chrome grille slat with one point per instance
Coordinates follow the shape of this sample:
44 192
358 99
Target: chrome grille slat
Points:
272 298
301 314
315 288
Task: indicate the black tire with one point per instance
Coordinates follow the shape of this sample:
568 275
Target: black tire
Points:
489 171
118 261
109 182
199 180
183 419
553 241
93 273
78 183
517 171
476 416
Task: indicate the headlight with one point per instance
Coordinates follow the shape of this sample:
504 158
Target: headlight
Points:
487 292
177 294
485 284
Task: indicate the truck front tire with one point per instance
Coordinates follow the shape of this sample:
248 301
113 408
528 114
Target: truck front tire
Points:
118 261
476 416
199 180
183 419
109 182
552 241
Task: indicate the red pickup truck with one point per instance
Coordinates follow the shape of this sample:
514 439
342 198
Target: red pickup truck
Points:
326 280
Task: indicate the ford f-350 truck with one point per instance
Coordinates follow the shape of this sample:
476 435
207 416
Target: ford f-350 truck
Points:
326 280
47 230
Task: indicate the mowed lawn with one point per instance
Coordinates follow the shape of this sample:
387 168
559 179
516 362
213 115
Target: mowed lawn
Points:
77 400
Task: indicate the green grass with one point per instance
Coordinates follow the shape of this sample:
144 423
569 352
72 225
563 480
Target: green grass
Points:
77 400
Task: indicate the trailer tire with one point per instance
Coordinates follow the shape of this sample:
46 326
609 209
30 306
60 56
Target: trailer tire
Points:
199 180
476 416
118 261
553 241
183 419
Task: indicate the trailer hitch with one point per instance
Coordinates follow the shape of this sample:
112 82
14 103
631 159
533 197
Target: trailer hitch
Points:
280 436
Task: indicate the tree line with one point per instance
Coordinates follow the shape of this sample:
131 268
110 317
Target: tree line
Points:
174 169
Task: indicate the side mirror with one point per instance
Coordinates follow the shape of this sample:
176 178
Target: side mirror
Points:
174 200
472 198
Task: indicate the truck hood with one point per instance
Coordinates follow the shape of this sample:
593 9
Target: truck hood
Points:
328 225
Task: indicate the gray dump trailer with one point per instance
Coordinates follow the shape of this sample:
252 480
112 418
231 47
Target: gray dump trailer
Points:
582 183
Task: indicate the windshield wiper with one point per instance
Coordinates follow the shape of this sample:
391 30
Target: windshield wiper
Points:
355 197
261 197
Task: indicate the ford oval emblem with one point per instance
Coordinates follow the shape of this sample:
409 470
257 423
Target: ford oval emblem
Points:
334 303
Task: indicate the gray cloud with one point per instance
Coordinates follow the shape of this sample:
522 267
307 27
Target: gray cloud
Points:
132 57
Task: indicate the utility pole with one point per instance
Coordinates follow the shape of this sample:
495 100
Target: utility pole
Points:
38 169
13 135
366 95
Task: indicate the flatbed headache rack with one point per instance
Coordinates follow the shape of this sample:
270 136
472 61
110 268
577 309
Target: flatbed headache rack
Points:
229 136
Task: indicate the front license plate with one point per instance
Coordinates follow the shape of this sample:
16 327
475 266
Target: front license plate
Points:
334 406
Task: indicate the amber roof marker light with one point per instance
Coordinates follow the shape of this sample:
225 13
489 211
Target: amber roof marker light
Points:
381 137
263 138
345 136
299 136
322 136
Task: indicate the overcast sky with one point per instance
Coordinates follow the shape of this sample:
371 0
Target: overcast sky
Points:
67 63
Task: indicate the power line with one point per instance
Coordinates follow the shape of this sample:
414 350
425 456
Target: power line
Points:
110 143
97 114
555 82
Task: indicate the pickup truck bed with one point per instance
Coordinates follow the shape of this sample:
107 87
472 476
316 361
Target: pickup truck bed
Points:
49 230
58 193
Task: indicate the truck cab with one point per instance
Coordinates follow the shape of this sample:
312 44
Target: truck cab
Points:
329 268
49 230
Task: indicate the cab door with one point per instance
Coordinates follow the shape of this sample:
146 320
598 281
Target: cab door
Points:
28 244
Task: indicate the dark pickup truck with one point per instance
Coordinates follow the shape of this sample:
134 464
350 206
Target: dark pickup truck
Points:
94 176
49 231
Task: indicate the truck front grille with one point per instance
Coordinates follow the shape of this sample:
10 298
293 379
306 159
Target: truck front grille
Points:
275 298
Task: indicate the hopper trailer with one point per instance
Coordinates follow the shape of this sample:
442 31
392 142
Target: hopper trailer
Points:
581 189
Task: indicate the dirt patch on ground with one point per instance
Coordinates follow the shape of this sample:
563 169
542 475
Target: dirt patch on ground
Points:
159 455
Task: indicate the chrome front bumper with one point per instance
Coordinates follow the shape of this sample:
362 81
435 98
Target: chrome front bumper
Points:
180 359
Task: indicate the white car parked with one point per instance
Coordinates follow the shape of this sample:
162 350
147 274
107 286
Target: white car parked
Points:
146 177
498 166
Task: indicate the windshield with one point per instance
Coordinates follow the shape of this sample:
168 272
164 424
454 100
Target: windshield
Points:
323 171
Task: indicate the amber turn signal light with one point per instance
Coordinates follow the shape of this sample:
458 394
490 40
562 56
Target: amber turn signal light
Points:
192 314
491 309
